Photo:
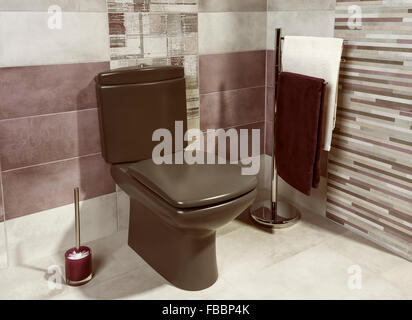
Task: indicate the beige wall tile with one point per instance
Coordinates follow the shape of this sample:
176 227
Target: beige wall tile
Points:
231 32
47 232
123 209
43 5
300 23
84 37
3 248
231 5
282 5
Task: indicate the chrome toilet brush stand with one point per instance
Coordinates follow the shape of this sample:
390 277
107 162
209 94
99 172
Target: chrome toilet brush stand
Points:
275 213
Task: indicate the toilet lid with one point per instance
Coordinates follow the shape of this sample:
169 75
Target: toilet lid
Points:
190 186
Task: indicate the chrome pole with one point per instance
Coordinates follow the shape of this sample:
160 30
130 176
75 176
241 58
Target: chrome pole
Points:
275 213
77 218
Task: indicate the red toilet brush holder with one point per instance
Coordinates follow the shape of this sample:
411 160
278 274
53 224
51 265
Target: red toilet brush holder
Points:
78 260
78 266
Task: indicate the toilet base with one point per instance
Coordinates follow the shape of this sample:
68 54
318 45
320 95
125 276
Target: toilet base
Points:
185 258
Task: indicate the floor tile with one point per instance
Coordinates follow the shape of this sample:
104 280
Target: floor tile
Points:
311 260
317 273
251 248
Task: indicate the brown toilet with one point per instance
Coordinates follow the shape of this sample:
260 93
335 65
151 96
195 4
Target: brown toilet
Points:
175 209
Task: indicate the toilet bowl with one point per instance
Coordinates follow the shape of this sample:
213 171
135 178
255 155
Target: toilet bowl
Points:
175 209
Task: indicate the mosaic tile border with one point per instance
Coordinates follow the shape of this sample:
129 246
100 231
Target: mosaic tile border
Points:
370 165
156 32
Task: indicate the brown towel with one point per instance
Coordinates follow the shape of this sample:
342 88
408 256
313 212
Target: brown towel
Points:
299 130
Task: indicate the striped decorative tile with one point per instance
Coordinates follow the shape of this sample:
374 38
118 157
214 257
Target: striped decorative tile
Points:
153 6
370 164
156 32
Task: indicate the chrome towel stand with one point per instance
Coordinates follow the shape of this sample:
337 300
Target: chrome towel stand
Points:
275 213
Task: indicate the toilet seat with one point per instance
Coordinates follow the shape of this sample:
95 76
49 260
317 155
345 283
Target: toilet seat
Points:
190 186
208 217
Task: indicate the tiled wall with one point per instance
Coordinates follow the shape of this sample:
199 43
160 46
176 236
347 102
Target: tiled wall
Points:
157 32
370 164
49 137
232 72
296 18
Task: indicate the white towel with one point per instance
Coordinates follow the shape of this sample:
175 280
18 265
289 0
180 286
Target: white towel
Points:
317 57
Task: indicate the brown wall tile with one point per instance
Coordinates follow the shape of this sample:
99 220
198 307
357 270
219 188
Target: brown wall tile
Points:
270 68
36 90
43 187
230 71
232 108
249 127
35 140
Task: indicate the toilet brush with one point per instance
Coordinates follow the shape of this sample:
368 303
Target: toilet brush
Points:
78 260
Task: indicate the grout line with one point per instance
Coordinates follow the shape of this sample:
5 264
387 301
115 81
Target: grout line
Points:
52 64
246 11
246 124
232 90
231 52
48 114
52 162
301 10
234 126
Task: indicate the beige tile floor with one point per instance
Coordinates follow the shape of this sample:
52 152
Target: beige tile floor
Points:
307 261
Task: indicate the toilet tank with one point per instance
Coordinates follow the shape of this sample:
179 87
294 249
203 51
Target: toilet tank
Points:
132 104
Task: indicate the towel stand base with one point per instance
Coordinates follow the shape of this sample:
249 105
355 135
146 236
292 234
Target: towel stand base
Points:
286 214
